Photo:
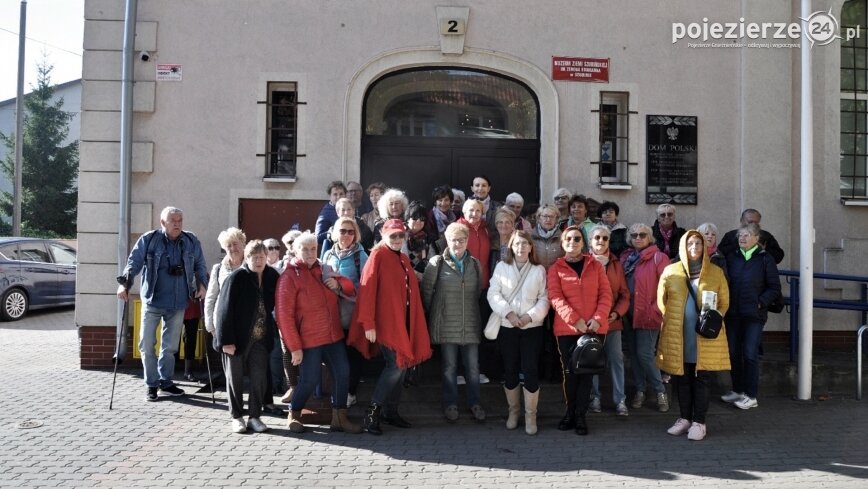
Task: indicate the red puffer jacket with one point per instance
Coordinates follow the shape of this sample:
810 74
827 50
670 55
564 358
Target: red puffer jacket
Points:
306 310
620 292
573 297
646 276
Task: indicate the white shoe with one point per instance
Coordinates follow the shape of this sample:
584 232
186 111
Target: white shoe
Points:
746 403
679 428
256 425
731 397
351 399
595 406
460 380
696 432
483 379
238 425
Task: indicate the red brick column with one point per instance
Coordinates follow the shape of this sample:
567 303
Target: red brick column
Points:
97 346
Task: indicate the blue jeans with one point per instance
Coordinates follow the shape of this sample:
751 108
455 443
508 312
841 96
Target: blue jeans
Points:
310 373
744 337
470 359
391 381
644 367
159 372
615 363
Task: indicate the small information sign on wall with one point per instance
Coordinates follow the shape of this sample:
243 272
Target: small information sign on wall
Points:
168 72
580 69
672 159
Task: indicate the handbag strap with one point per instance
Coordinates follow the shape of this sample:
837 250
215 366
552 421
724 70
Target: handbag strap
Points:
521 276
690 288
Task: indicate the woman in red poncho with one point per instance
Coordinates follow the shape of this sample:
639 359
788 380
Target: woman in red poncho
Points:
389 315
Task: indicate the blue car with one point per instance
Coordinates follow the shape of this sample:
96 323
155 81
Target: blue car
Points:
35 274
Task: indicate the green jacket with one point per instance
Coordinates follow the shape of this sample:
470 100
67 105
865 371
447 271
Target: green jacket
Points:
451 300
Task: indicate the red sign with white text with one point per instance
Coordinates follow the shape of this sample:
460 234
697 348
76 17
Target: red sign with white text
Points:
580 69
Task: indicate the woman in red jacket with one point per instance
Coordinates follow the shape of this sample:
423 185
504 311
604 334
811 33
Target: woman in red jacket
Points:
389 315
581 298
306 308
643 265
600 237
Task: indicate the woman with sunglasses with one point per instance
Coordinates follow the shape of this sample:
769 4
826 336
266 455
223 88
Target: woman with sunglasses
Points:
599 247
389 317
581 299
347 257
667 234
643 265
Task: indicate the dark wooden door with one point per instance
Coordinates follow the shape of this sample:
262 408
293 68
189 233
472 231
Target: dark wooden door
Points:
417 165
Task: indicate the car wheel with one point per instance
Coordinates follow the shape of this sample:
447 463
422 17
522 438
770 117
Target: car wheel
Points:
14 305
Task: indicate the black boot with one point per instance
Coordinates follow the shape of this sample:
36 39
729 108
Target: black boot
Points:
371 422
391 416
581 424
568 422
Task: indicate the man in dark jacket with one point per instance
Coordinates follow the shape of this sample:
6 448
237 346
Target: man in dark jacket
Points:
729 243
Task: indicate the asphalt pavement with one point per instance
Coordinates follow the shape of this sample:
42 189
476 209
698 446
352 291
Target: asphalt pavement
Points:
57 431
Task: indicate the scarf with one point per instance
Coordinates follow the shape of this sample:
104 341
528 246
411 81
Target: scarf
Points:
603 259
631 262
442 219
341 254
712 249
459 262
545 234
667 235
694 266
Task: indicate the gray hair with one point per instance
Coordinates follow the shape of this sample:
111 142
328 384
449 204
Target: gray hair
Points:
706 226
638 228
562 190
168 211
601 228
389 196
271 242
470 202
514 197
304 238
665 207
229 235
753 228
459 193
456 229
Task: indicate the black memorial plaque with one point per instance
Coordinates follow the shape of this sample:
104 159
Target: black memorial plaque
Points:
672 159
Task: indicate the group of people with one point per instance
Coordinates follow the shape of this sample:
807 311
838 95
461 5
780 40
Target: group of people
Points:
398 279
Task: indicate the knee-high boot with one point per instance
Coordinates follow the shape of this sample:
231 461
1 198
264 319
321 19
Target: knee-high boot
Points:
513 400
530 402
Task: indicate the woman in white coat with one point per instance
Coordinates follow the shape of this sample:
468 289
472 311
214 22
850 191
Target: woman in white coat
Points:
517 295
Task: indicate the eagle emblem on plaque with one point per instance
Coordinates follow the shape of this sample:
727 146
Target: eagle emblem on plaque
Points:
672 132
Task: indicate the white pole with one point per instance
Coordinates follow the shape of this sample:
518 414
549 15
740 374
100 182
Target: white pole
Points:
19 125
806 228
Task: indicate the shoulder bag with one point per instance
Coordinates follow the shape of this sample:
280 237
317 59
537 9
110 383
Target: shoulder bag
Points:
710 322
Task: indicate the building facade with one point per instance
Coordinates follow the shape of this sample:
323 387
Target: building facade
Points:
244 111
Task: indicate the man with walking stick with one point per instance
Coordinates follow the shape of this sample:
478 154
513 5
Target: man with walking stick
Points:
173 270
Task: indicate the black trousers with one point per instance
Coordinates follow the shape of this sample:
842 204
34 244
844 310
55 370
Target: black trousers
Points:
520 350
692 388
576 387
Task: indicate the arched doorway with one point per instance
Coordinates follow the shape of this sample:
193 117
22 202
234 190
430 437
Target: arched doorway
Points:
430 126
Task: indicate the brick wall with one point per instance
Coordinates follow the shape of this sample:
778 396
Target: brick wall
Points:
98 347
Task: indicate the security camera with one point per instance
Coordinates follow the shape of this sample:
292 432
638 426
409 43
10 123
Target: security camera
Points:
145 56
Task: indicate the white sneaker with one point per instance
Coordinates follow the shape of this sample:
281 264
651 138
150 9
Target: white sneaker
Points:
595 406
483 379
460 380
351 399
256 425
746 403
238 425
679 428
696 432
731 397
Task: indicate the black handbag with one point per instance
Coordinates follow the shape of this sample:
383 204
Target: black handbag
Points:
588 356
710 322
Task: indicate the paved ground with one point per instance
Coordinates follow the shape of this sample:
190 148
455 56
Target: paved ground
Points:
186 443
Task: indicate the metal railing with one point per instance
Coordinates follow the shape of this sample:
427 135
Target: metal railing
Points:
860 305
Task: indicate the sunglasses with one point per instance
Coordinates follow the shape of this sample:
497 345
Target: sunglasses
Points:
350 232
273 248
638 235
667 214
562 197
601 238
574 239
397 236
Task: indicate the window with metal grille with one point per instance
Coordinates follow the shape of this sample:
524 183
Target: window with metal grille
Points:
281 142
614 138
854 102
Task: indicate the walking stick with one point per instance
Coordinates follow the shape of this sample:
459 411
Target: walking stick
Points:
116 359
205 350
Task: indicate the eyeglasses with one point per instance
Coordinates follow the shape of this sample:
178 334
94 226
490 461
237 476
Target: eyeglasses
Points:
601 238
745 236
457 240
273 248
548 216
574 239
667 214
562 197
397 236
638 235
350 232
